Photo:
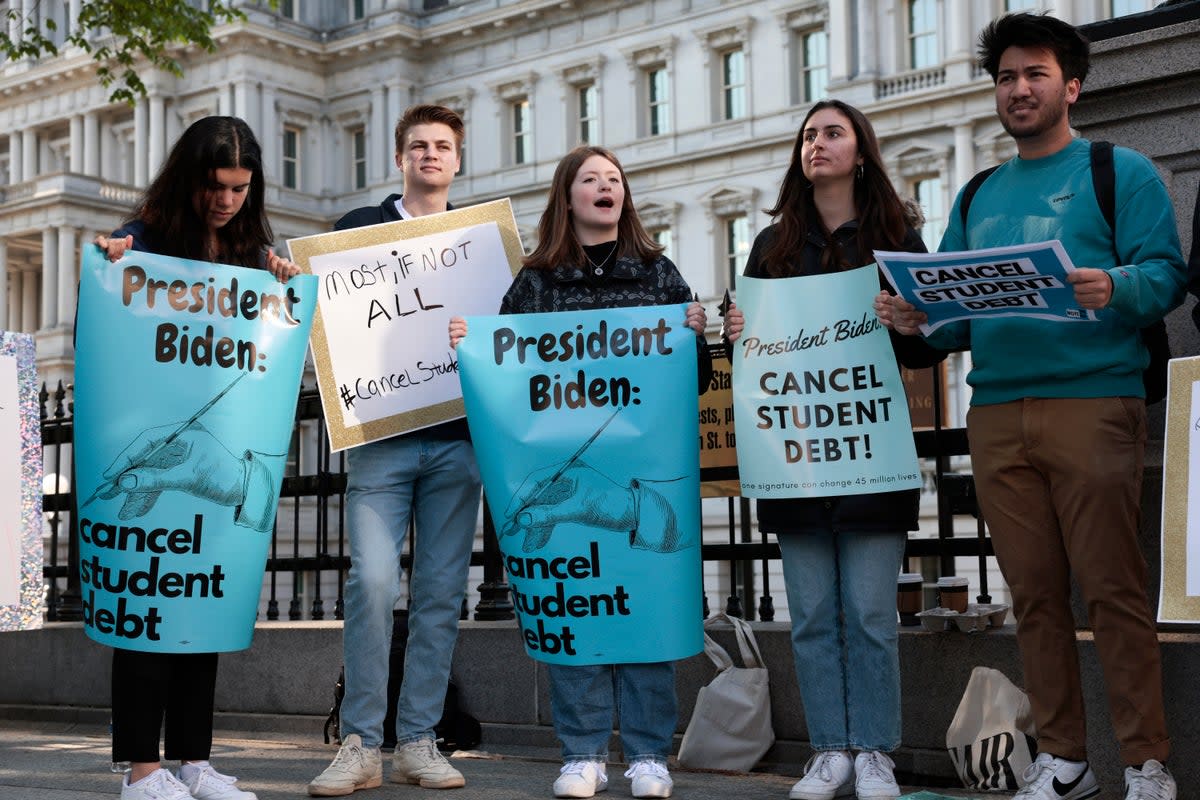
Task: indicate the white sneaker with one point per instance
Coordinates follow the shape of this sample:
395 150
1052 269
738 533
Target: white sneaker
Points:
419 762
205 783
158 785
354 767
581 779
650 778
1053 778
828 774
874 778
1151 782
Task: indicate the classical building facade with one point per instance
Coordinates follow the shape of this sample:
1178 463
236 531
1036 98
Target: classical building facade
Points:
701 99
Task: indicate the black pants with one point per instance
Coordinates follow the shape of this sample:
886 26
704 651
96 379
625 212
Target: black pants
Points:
146 687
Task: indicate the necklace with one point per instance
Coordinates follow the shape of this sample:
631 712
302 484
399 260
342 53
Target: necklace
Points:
598 268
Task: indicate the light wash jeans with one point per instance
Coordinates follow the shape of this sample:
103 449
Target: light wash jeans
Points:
437 482
841 590
584 700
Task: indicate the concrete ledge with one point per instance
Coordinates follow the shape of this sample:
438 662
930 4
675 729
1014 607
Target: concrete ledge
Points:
284 683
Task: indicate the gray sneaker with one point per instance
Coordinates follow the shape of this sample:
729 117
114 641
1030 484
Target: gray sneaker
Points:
1151 782
354 767
420 762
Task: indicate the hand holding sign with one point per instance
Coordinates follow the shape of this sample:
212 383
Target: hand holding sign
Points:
576 493
191 461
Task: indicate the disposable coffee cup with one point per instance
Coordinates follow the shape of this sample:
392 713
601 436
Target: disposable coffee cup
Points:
952 593
908 597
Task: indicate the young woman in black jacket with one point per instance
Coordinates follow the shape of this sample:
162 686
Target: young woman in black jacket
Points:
841 554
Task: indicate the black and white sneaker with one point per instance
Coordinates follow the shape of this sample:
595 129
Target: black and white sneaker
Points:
1053 778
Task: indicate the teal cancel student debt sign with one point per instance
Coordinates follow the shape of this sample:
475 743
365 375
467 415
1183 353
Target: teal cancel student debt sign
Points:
584 426
819 406
187 376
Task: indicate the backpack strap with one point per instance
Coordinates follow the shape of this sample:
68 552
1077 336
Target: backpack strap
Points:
970 189
1104 182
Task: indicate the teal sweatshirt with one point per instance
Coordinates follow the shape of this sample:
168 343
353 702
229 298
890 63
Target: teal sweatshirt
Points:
1036 200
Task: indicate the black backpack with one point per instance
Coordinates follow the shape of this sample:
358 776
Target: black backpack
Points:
1104 181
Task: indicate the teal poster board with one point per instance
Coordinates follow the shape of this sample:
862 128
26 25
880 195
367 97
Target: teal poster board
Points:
819 406
187 376
585 429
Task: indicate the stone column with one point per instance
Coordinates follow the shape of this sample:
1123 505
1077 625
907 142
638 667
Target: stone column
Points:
842 41
75 149
376 135
157 145
29 154
241 101
964 157
868 42
16 160
73 9
67 278
91 144
49 278
4 284
140 172
268 137
23 303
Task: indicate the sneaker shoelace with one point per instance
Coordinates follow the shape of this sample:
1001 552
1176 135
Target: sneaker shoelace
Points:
574 767
647 767
1148 784
821 764
1034 776
348 756
874 769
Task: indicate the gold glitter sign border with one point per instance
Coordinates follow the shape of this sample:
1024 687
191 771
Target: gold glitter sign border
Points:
1174 604
342 436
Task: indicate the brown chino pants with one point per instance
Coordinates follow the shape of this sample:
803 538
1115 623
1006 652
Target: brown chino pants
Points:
1059 484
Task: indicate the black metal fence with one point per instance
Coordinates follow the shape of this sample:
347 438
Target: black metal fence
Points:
309 546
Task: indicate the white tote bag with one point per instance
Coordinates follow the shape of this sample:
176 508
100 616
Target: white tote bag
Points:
991 738
730 727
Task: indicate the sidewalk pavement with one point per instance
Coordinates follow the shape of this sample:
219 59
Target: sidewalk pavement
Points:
70 761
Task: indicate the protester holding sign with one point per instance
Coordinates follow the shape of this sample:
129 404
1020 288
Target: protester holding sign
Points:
593 253
1057 424
841 554
429 475
206 204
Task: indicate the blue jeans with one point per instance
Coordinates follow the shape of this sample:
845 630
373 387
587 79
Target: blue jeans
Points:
437 482
841 591
584 700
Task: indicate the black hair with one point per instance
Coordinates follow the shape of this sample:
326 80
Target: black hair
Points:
1069 46
168 208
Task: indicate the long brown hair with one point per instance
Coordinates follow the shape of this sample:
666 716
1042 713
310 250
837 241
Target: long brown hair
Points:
881 214
173 227
557 243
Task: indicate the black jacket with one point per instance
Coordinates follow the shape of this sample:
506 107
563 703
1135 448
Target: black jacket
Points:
630 283
387 212
883 511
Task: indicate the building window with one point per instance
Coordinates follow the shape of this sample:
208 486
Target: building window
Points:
663 237
1122 8
737 246
814 69
589 114
659 101
522 128
291 158
733 84
358 158
289 9
922 33
928 192
358 9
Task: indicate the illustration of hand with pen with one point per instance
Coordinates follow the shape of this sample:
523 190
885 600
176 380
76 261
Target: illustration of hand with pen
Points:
165 458
572 493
